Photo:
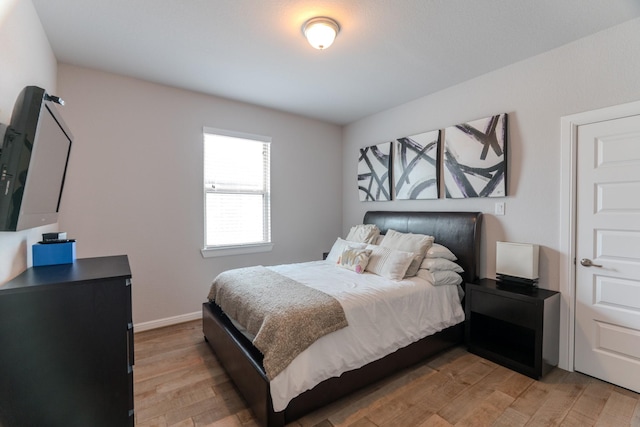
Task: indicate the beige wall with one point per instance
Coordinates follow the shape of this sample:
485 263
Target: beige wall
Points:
134 176
134 184
594 72
591 73
26 59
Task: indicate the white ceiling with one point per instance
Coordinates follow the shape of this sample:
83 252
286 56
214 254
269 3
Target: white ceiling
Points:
387 53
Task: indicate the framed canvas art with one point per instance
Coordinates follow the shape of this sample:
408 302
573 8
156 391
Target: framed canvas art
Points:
374 173
475 161
415 166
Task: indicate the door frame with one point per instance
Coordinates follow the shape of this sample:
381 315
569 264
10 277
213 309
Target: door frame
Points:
568 216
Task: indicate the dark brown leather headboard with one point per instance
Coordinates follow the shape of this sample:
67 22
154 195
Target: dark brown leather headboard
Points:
458 231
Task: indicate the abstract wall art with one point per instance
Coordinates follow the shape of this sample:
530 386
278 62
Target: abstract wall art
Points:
416 167
475 161
374 173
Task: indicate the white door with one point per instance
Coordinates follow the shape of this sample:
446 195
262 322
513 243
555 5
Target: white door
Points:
607 327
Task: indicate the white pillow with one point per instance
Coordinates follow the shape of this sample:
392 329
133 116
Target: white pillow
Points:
339 246
440 264
439 251
389 263
409 242
354 259
363 233
440 278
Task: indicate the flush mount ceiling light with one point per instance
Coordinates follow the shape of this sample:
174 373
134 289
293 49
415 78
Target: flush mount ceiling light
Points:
320 31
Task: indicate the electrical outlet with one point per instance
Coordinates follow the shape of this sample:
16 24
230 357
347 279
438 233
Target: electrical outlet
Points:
499 208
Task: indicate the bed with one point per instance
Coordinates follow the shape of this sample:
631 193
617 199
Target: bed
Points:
459 231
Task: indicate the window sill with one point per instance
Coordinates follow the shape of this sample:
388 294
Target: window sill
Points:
236 250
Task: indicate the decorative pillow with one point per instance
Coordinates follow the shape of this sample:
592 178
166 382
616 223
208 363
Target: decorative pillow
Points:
354 259
440 278
389 263
440 264
409 242
439 251
363 233
339 246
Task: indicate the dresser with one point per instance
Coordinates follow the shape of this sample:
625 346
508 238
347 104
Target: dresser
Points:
66 345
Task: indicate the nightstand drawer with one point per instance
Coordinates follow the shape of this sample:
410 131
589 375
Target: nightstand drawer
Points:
507 309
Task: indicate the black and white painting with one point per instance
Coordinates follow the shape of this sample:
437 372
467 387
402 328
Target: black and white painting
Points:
415 166
475 161
374 180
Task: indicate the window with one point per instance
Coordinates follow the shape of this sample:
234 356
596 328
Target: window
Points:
236 193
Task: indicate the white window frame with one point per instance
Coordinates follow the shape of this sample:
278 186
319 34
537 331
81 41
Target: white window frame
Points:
237 249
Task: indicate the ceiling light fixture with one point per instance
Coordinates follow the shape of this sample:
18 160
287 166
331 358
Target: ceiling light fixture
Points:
320 31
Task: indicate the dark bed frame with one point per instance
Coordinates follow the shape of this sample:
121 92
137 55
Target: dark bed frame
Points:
459 231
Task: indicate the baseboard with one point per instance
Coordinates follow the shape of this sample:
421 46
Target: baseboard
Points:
167 321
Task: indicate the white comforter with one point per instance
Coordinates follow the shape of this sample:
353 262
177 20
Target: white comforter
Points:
383 316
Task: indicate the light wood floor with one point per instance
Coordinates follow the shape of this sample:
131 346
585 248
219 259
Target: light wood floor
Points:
178 382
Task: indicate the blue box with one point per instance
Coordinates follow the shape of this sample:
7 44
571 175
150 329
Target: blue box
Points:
53 253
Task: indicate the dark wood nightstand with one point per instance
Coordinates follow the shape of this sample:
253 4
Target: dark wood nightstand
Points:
514 325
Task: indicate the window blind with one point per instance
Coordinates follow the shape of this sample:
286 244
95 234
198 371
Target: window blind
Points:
237 190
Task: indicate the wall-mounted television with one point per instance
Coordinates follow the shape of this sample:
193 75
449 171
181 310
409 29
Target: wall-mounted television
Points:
33 162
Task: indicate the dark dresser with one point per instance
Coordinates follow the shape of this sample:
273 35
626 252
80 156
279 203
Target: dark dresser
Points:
66 345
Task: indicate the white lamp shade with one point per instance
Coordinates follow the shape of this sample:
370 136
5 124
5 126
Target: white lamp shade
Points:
517 260
321 32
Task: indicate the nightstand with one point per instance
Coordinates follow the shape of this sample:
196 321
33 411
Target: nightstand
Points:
514 325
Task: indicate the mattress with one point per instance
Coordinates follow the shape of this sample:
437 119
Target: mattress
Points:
383 316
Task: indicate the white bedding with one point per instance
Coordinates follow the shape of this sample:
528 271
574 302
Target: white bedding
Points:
383 316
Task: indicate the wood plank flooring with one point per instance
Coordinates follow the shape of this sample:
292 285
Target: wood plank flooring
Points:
179 383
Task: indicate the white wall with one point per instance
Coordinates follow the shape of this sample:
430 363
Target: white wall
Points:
26 59
597 71
134 184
